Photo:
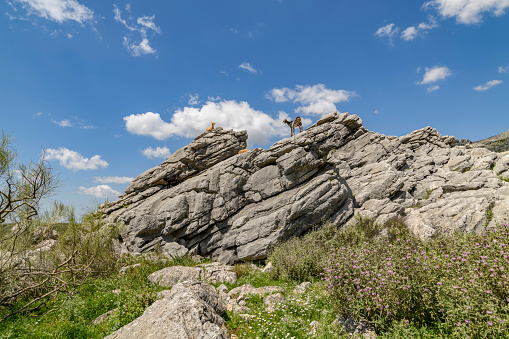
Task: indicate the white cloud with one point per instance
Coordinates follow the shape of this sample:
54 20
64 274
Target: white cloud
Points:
142 26
193 99
488 85
192 121
149 124
113 180
413 32
118 18
63 123
388 31
247 67
158 152
468 11
101 191
148 22
410 33
74 161
137 50
316 99
435 74
376 111
432 88
58 10
503 69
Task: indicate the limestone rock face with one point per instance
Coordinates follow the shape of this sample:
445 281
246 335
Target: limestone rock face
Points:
212 273
191 310
207 200
235 209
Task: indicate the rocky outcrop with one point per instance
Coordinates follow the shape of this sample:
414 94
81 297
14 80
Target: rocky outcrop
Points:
213 273
191 310
207 200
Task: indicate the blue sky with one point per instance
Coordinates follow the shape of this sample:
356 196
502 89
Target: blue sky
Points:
110 89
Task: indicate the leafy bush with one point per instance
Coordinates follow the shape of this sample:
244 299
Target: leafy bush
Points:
456 283
37 267
305 258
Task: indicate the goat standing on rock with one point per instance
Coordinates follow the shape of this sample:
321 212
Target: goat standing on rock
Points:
294 124
209 129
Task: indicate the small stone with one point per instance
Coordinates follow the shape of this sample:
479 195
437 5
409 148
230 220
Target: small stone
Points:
302 288
104 317
222 288
124 270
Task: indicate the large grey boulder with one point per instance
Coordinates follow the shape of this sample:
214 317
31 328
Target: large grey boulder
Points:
207 200
212 273
192 310
238 208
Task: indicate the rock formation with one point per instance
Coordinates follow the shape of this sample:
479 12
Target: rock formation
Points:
207 200
192 309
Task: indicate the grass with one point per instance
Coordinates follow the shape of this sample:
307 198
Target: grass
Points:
71 316
451 286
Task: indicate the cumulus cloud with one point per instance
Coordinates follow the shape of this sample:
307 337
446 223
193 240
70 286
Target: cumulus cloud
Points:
247 67
387 31
143 26
432 88
434 74
113 180
149 124
488 85
58 10
63 123
137 50
101 191
503 69
192 121
468 11
410 33
75 161
413 32
158 152
313 100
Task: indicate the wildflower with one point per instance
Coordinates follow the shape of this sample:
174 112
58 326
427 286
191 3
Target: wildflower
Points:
467 321
490 323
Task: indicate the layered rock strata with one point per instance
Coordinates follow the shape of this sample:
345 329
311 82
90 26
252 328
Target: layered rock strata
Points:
205 199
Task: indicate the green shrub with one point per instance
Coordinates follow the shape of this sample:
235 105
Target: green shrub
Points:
305 258
455 283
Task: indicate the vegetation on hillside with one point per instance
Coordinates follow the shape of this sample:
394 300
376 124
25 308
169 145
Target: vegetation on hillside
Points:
455 285
34 266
